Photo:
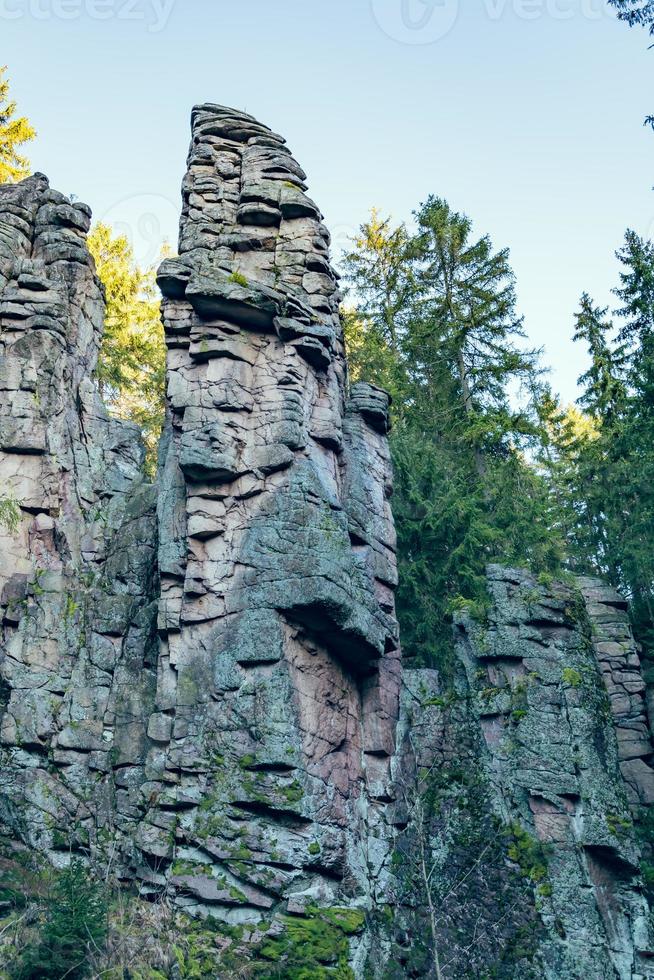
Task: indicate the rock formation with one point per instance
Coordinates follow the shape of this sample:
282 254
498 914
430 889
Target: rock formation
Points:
236 750
619 663
278 684
77 574
200 681
523 813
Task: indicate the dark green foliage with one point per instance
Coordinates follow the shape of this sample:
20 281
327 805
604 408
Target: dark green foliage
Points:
603 469
75 923
437 326
477 478
603 384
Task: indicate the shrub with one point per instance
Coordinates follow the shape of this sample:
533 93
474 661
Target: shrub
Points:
10 514
75 923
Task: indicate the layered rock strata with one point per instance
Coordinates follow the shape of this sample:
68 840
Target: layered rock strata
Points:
516 853
278 686
552 717
206 696
617 655
77 545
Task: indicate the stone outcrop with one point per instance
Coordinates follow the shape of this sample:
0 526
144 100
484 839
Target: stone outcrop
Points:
461 896
278 683
200 681
619 662
539 719
201 688
77 571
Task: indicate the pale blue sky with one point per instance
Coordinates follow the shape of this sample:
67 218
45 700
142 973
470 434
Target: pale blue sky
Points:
526 114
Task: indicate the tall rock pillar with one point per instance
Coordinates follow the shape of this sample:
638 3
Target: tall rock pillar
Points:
77 563
279 663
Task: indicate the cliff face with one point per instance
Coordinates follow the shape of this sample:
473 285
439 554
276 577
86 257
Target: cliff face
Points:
200 681
522 844
552 759
77 575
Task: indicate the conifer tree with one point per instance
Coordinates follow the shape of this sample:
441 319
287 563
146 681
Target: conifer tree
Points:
14 133
380 270
75 925
464 493
603 385
633 445
637 295
469 320
132 362
611 473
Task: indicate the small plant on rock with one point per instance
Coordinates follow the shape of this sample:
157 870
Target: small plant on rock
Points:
239 279
10 515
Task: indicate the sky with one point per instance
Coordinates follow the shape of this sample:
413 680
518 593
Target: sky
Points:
525 114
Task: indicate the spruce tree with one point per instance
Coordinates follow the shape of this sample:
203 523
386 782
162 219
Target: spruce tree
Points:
603 385
464 491
379 269
611 469
637 296
634 443
75 925
469 320
14 133
132 362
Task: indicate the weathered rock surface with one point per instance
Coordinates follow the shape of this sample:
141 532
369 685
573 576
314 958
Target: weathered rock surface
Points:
205 695
200 681
279 663
548 767
619 662
77 576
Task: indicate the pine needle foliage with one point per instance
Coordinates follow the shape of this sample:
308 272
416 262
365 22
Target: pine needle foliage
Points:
132 363
432 318
15 131
74 926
